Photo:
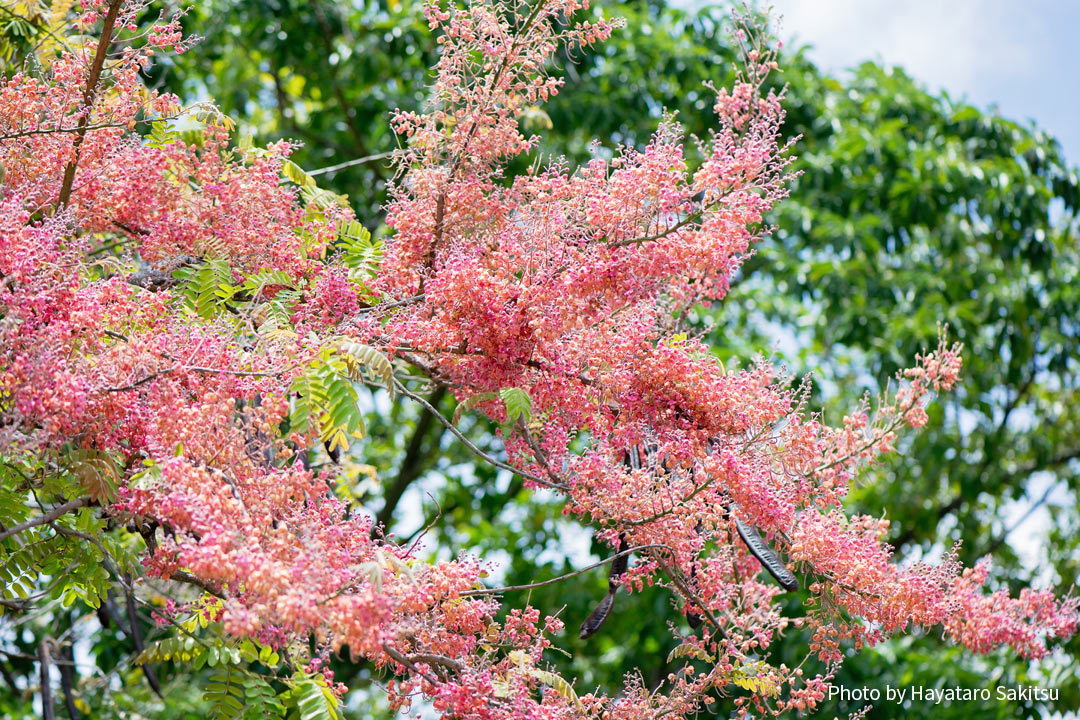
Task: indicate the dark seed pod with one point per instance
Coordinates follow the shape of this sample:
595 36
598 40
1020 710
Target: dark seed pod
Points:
766 556
621 564
693 619
67 681
333 451
103 616
597 616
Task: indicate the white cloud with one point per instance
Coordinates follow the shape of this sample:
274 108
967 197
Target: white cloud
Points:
1019 56
959 45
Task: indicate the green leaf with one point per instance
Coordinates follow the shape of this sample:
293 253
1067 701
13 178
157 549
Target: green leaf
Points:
518 404
207 288
689 650
225 694
376 363
471 402
314 701
559 685
161 135
297 174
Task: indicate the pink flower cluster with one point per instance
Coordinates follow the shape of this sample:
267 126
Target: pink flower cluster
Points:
566 284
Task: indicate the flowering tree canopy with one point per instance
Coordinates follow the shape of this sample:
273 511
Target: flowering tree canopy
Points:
187 324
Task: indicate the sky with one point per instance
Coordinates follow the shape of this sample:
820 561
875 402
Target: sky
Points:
1023 57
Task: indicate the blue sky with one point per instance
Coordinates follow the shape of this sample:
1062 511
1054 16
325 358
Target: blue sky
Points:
1023 57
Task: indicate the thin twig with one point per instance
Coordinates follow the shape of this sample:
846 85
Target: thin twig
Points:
188 368
50 131
476 451
350 163
567 576
46 519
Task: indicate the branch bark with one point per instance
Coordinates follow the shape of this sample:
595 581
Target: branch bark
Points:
45 519
45 661
88 100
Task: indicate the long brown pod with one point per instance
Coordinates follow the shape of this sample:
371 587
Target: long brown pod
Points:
619 565
765 555
137 640
597 616
600 613
693 619
67 680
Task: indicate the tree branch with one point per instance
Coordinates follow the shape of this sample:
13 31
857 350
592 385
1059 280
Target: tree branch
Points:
88 100
46 684
476 451
46 519
567 576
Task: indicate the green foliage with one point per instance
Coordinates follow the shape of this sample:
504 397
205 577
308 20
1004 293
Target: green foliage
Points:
162 135
55 560
913 208
359 252
516 402
558 684
207 288
361 359
325 395
226 694
317 200
311 699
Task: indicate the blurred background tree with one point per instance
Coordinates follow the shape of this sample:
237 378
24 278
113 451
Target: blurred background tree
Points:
913 209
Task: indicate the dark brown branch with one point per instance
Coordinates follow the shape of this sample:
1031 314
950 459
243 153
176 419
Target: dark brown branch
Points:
51 131
186 368
67 680
344 105
1011 479
88 99
988 458
8 677
404 660
185 577
137 640
45 519
567 576
1000 540
688 593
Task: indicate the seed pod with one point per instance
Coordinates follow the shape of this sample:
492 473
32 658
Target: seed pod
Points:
597 616
619 565
67 680
766 556
137 641
692 618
